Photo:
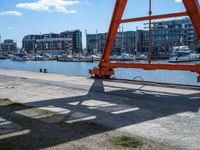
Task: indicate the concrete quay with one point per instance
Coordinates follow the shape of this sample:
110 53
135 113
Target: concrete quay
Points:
165 113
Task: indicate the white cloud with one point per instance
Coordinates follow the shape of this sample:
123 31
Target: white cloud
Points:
178 0
10 13
49 5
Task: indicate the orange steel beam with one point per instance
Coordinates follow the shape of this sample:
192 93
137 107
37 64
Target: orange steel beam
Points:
180 67
105 68
114 25
193 10
180 14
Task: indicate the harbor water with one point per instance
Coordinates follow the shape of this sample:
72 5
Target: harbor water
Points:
81 69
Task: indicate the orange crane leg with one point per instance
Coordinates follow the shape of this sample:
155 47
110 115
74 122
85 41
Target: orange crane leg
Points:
106 67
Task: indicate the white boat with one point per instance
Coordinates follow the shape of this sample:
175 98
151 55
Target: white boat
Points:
21 55
95 57
37 58
141 57
183 54
3 57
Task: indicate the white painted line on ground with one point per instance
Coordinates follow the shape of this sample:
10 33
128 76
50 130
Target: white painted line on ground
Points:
15 134
81 119
94 104
125 111
5 123
55 109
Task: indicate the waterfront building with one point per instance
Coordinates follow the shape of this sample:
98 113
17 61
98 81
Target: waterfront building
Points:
95 43
29 42
76 37
165 35
125 42
68 42
8 47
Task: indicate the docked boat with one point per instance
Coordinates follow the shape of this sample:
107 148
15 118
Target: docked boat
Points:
183 54
3 57
37 58
141 57
122 57
21 55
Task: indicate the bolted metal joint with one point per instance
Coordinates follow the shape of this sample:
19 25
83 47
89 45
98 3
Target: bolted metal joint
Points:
104 73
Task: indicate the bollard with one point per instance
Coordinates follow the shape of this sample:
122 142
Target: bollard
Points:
45 71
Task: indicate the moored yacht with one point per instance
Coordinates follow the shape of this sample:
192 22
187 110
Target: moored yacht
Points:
141 57
3 57
21 55
183 54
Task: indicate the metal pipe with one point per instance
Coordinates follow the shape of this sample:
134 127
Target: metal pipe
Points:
150 33
156 17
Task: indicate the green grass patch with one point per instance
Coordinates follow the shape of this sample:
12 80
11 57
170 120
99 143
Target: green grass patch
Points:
44 112
11 104
125 141
5 101
14 105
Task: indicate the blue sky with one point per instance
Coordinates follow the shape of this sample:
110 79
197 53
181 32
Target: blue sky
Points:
22 17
